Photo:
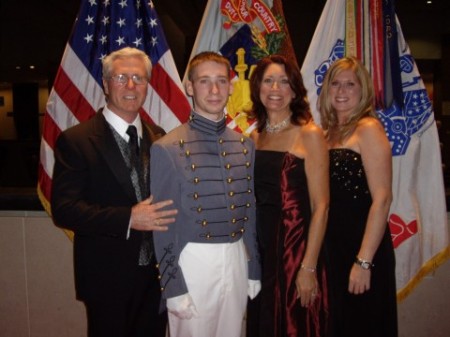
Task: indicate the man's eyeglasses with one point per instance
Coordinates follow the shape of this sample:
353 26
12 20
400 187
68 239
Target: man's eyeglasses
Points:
123 79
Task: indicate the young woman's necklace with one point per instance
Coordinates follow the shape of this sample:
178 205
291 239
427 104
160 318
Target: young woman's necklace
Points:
278 126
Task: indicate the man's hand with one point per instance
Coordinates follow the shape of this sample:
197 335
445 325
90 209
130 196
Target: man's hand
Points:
254 287
146 216
182 306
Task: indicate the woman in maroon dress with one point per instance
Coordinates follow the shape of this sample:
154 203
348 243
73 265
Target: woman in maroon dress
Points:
291 186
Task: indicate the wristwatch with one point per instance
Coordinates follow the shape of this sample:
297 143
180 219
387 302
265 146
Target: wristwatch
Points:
363 263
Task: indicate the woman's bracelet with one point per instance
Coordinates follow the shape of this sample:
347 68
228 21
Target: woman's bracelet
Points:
311 270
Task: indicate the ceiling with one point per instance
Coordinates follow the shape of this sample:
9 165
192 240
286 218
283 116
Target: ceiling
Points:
35 32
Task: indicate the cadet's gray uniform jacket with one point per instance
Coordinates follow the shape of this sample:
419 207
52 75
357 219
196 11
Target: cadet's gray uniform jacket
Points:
207 170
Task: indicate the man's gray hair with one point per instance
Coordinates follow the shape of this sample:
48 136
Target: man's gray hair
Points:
125 53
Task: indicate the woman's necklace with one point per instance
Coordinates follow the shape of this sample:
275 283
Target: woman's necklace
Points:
279 126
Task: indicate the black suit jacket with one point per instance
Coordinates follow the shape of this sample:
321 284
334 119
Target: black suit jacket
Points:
92 195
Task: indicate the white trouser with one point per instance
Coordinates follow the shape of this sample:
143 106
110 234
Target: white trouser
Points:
217 279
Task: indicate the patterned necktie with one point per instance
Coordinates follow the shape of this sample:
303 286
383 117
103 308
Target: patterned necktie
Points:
146 245
133 144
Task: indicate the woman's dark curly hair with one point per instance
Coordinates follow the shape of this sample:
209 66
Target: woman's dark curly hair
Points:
299 105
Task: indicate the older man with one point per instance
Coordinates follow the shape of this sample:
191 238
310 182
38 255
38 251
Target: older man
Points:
100 191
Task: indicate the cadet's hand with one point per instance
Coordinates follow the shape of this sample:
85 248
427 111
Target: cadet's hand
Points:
254 287
146 216
182 306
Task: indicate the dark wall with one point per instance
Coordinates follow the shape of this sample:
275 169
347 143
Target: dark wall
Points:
35 32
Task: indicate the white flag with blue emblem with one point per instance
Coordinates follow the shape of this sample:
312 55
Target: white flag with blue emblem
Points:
418 217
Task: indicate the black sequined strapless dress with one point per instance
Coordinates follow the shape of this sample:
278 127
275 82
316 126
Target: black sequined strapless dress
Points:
283 218
374 313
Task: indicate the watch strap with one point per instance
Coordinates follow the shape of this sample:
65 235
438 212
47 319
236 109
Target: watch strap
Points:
364 264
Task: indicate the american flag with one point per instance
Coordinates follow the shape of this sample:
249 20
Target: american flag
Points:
101 27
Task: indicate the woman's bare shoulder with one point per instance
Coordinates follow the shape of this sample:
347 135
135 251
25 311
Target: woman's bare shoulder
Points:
311 131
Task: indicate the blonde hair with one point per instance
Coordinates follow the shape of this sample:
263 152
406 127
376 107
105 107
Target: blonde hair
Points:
365 106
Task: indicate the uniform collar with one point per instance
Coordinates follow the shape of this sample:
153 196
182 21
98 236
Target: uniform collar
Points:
206 125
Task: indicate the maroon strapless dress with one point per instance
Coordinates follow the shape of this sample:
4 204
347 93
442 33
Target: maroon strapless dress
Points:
283 218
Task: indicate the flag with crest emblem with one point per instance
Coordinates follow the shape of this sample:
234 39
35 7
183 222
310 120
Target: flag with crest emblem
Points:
244 31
